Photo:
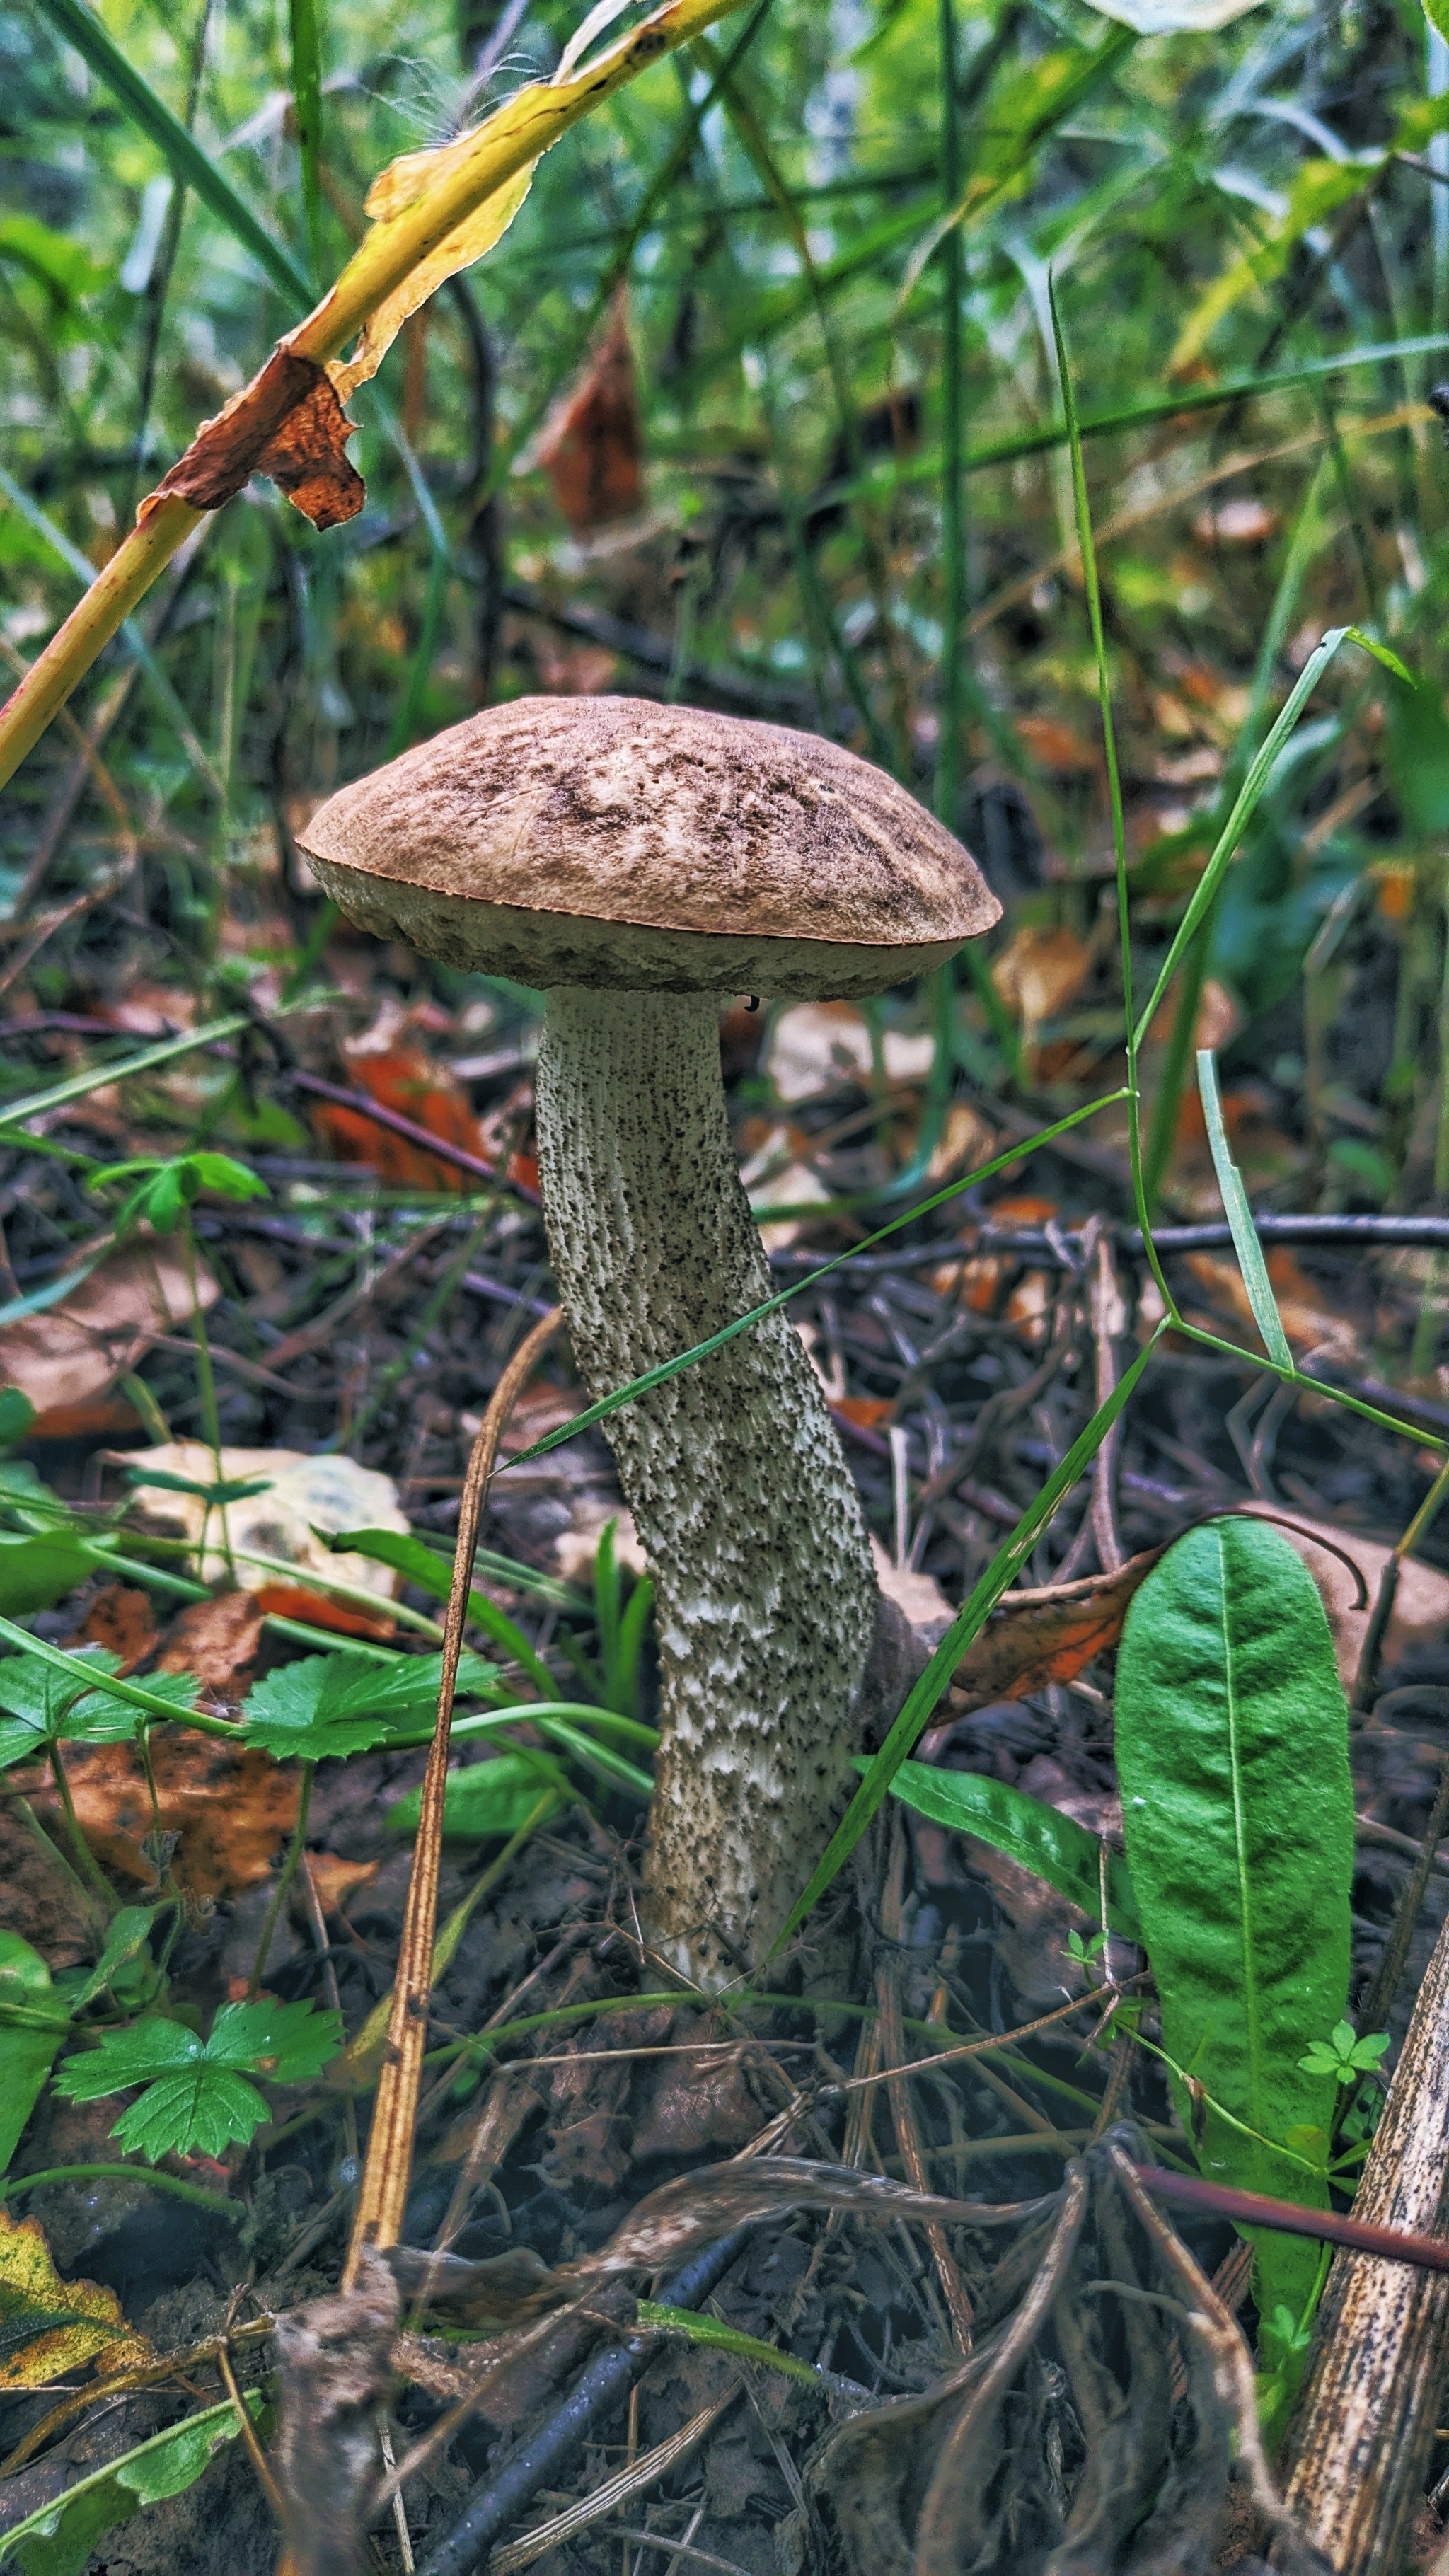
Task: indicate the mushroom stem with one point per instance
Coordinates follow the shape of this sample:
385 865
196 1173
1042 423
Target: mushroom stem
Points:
767 1600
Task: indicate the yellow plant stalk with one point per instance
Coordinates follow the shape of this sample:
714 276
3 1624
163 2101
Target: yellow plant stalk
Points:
438 211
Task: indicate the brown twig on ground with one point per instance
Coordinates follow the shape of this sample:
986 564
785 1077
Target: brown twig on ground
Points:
1369 2405
381 2199
364 1106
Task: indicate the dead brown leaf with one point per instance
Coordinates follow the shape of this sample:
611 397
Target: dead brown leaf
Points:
74 1352
1032 1638
232 1809
217 1640
593 449
287 423
1039 973
120 1619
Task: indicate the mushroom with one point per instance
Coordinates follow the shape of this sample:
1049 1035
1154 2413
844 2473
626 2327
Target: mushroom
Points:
640 864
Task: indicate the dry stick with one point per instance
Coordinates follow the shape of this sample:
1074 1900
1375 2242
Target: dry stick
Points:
628 2482
248 2430
1379 2002
383 2193
1366 2418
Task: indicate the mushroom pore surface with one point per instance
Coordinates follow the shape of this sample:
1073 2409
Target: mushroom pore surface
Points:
766 1595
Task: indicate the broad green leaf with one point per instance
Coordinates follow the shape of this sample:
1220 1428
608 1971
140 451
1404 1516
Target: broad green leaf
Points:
1240 1217
1040 1837
198 2112
330 1705
1232 1751
17 1414
48 1703
40 1569
488 1799
33 2022
60 2539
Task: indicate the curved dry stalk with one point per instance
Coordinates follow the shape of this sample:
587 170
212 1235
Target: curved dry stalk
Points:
1369 2406
381 2199
289 420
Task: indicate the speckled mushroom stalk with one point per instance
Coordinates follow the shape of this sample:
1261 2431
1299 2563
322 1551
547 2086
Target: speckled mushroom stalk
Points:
766 1595
636 863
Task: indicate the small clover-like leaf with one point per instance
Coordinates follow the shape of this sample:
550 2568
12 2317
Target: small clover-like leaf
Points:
196 2098
200 2112
1366 2052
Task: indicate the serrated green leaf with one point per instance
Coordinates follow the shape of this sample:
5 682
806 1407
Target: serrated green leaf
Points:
33 2022
45 1706
200 2112
1232 1751
489 1798
288 2042
1040 1837
328 1705
61 2538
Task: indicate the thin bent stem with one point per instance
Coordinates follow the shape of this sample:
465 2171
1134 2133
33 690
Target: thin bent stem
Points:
283 1888
206 1385
90 1868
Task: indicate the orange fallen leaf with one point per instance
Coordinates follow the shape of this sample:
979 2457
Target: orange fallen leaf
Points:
1306 1323
1058 747
216 1640
867 1412
1040 972
335 1879
1032 1638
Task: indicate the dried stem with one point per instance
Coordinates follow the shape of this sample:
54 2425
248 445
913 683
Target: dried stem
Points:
381 2200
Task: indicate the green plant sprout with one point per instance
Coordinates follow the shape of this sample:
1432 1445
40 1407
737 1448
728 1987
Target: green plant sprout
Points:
1345 2056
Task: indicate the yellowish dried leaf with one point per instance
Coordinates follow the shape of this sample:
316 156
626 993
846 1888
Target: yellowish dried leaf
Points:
391 194
49 2327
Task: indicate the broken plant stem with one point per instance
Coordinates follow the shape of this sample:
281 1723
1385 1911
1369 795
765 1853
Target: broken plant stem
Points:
383 2194
283 1888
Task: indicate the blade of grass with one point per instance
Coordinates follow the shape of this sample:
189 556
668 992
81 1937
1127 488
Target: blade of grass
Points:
184 156
968 1623
307 108
608 1404
1240 1217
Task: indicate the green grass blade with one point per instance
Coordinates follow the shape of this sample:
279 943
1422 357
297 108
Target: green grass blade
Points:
608 1404
968 1623
307 107
1240 1217
81 27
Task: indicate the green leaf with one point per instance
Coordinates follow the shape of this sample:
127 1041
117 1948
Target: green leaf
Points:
329 1705
33 2022
1240 1217
234 1490
50 1704
722 2338
60 2539
127 1938
1232 1751
40 1569
488 1799
1381 653
17 1414
1040 1837
196 2098
199 2112
82 28
1437 13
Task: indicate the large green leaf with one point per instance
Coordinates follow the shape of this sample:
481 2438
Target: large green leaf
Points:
36 1571
60 2539
1232 1751
33 2022
1055 1846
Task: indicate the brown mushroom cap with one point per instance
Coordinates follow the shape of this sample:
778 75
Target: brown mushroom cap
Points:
614 842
